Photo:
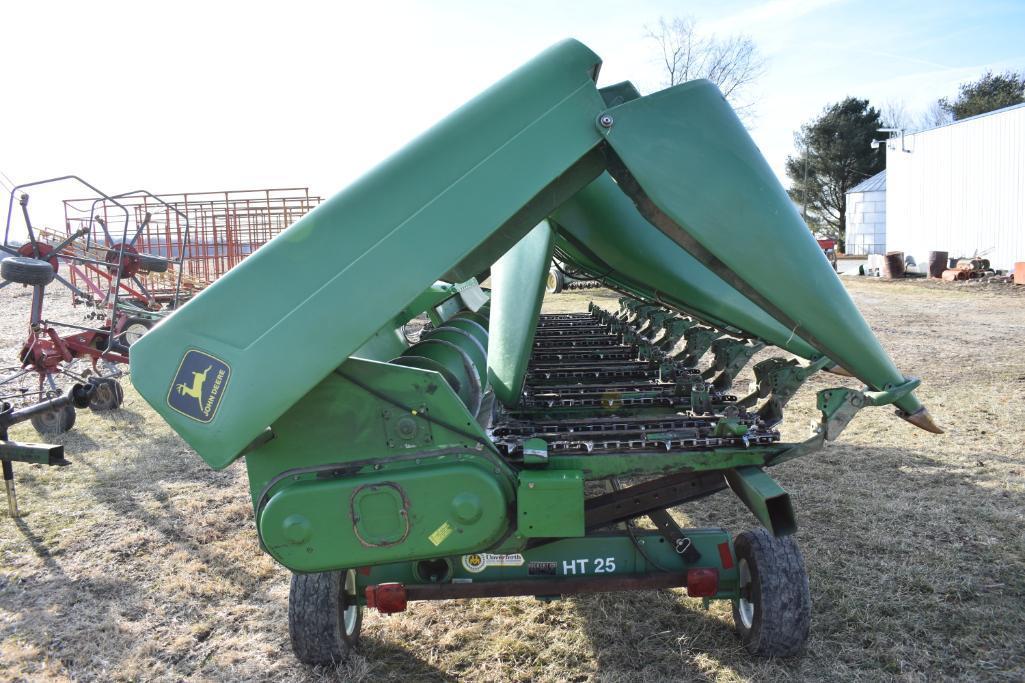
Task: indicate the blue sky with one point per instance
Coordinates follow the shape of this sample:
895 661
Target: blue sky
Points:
191 96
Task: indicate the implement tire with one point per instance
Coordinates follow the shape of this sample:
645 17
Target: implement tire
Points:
133 330
151 264
26 271
556 281
324 618
108 395
773 614
54 422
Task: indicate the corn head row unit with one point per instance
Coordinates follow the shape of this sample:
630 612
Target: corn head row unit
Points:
386 468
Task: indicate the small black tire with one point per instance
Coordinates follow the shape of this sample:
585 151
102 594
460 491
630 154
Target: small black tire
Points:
108 395
26 271
133 331
773 614
555 282
54 421
151 264
324 618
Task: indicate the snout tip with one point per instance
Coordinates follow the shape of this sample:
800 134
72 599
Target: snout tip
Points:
840 370
921 419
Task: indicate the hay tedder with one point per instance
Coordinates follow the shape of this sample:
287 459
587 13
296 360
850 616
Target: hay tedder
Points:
129 258
469 462
58 351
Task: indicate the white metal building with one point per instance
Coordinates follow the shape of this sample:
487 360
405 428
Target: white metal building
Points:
866 216
959 188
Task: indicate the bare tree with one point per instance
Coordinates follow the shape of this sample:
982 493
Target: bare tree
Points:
894 114
733 63
934 116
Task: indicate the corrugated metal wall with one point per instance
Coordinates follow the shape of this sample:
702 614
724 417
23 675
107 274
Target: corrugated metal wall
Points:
866 223
960 188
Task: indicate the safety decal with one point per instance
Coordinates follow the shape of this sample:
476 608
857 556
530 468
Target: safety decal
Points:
440 534
478 562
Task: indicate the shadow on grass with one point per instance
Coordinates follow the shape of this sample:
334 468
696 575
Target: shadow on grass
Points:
389 662
916 570
914 564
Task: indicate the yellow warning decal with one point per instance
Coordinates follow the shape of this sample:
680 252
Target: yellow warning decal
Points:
440 534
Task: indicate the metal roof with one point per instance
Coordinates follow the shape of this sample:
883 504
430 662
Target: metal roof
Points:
876 183
970 118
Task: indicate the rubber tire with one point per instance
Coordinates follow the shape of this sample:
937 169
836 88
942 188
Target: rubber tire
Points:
26 271
779 592
54 421
556 281
316 623
109 395
123 337
151 264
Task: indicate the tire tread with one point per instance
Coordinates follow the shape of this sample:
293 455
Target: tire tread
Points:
783 614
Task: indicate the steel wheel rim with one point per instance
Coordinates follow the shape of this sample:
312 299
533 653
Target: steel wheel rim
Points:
104 394
134 332
551 281
351 613
745 607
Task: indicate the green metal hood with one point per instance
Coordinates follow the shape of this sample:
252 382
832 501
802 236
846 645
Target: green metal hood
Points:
693 171
607 222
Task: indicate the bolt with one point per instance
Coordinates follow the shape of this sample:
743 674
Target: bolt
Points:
605 121
530 485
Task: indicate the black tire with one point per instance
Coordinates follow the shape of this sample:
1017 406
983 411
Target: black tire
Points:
26 271
555 282
151 264
773 616
108 395
54 421
324 618
133 330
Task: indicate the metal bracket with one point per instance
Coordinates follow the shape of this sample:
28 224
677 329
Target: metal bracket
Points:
839 405
700 399
778 380
699 340
731 355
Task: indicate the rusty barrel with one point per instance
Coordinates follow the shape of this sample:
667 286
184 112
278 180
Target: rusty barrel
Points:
937 263
893 265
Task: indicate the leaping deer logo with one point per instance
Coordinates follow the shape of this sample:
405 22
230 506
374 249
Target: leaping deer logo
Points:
196 390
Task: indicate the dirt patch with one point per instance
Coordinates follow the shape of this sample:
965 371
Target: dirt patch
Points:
140 563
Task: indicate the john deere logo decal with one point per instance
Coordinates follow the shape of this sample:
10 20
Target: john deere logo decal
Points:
199 385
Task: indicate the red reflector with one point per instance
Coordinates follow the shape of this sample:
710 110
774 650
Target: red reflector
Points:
702 582
725 556
389 598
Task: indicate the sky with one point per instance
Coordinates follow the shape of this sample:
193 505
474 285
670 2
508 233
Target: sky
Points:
201 96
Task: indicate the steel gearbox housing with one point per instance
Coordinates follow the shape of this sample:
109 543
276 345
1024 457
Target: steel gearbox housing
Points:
414 513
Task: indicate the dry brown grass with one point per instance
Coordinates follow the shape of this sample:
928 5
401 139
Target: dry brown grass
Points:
139 563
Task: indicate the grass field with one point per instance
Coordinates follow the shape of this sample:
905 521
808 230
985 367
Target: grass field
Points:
139 563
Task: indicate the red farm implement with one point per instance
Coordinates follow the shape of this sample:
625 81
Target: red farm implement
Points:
223 227
129 259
